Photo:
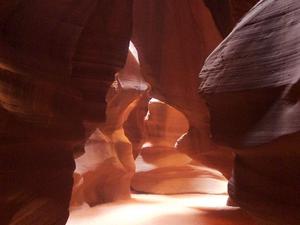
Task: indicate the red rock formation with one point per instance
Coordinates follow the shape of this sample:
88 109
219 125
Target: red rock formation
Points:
105 170
251 86
173 39
56 65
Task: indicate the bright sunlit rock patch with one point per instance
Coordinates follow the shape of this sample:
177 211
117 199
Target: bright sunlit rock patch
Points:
143 209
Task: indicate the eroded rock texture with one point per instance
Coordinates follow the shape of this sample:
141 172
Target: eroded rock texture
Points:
56 65
163 125
171 50
104 171
173 39
251 86
174 50
160 168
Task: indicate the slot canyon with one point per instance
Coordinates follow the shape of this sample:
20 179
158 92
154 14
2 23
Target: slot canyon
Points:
139 112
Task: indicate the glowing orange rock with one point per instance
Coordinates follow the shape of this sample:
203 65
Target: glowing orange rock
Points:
171 55
107 166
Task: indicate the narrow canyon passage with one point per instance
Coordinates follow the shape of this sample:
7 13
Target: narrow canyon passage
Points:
183 192
164 108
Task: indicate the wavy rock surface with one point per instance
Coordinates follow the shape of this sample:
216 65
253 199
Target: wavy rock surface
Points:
56 65
160 168
166 171
259 59
172 46
104 172
251 85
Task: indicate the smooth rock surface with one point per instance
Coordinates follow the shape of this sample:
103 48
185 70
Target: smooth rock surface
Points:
167 171
103 173
251 84
173 38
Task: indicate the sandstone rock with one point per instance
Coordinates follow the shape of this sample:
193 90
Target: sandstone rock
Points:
166 171
171 55
163 125
107 166
56 61
249 64
101 174
161 169
251 85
